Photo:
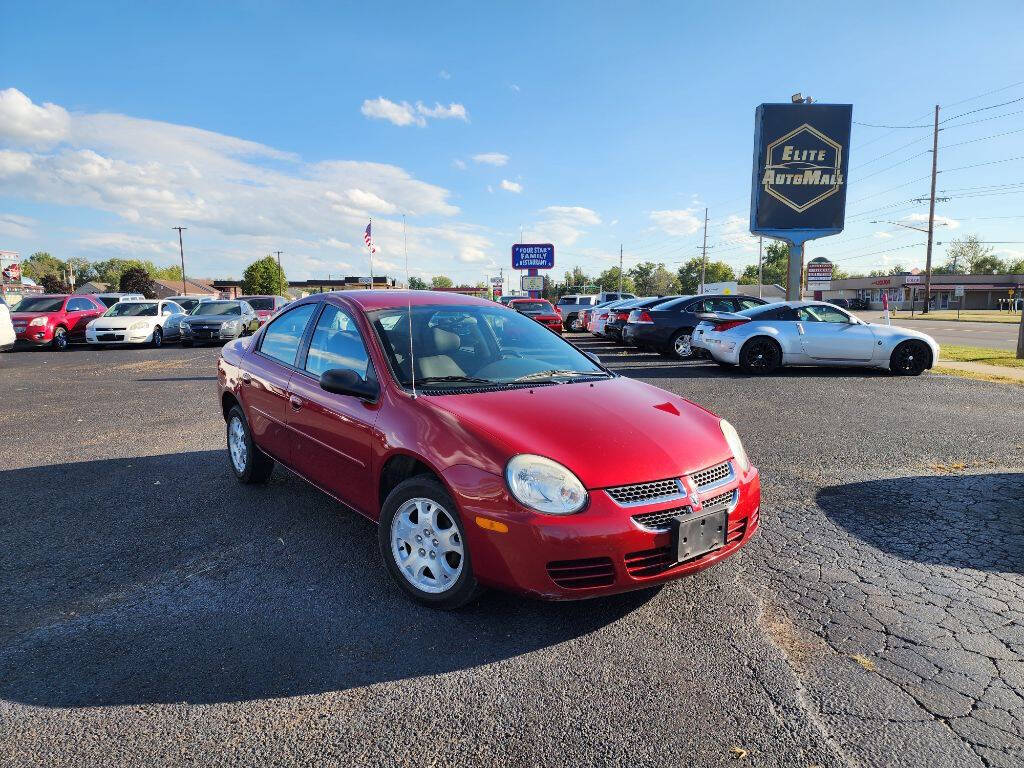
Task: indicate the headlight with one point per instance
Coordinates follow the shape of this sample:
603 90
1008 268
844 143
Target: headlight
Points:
138 326
544 485
230 325
37 321
735 445
185 326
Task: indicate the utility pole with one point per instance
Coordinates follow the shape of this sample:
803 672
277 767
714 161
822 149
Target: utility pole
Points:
931 216
704 251
181 248
279 270
760 267
620 270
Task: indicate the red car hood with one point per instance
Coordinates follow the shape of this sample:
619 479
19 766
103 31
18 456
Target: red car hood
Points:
615 432
30 315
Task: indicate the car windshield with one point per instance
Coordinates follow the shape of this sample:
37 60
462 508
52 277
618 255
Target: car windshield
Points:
472 346
261 303
41 304
132 309
188 304
217 308
532 307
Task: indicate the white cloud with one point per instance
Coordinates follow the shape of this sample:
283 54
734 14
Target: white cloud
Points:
565 224
939 220
511 186
28 124
395 113
491 158
677 222
444 74
404 113
13 225
513 87
460 164
239 199
573 213
440 112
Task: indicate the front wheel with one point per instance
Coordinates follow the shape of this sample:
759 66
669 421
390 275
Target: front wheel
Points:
909 359
760 356
60 339
249 463
424 546
158 337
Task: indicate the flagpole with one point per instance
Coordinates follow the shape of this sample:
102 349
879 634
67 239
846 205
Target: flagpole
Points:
371 252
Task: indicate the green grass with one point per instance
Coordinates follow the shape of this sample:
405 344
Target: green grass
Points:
968 315
985 355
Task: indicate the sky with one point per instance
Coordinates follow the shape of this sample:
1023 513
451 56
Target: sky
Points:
265 126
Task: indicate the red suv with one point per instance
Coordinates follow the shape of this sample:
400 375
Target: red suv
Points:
54 319
265 306
540 310
457 427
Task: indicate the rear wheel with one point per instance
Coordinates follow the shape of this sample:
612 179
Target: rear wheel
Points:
679 346
424 546
249 463
760 356
909 358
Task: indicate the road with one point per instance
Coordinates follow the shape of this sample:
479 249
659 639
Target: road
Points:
153 612
995 335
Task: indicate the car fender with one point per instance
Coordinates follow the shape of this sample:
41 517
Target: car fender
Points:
788 342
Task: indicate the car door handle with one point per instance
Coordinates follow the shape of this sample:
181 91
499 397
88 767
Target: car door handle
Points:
800 328
295 402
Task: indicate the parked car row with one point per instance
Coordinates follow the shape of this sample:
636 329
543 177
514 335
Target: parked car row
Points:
57 320
748 332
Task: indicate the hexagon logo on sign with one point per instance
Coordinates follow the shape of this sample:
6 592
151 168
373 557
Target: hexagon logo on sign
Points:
803 168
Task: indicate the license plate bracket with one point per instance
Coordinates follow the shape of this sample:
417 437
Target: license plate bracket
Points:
696 535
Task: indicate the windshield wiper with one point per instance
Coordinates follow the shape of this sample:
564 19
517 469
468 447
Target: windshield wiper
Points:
456 379
556 373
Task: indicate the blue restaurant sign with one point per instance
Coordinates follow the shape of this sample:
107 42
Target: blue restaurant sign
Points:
798 188
533 256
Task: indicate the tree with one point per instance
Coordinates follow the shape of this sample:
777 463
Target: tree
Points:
968 253
775 263
40 264
137 280
715 272
441 281
417 284
989 264
577 280
652 279
264 277
1015 267
609 281
53 284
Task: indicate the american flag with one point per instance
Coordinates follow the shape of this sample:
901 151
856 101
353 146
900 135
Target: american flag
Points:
368 237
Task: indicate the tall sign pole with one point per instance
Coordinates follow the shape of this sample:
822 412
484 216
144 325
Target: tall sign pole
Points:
704 253
798 186
760 267
181 249
931 216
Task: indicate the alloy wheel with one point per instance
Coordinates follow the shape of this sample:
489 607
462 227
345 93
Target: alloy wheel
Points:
237 445
158 337
681 345
909 359
60 339
761 356
427 546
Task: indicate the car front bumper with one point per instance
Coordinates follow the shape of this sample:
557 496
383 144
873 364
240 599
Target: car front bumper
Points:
202 336
599 551
119 336
33 336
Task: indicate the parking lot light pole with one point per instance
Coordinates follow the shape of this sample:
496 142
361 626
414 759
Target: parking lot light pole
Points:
181 249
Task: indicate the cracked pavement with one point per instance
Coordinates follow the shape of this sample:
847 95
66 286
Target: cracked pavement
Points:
152 612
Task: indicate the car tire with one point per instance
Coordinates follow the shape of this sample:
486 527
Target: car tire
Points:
250 464
910 358
679 345
60 338
158 337
454 584
761 356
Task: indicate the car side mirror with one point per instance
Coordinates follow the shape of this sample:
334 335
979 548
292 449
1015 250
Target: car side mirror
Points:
344 381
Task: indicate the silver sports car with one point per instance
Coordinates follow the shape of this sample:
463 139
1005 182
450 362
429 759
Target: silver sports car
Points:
762 339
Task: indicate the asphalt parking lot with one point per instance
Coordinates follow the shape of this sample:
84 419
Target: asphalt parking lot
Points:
154 612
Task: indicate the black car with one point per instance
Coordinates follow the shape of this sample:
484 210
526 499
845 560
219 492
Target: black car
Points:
666 328
617 319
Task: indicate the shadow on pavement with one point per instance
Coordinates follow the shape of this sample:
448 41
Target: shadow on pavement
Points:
969 521
160 579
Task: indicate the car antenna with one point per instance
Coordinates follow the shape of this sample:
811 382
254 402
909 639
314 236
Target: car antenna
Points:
412 356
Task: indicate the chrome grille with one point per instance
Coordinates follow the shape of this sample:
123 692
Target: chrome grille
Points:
662 520
716 503
646 492
711 475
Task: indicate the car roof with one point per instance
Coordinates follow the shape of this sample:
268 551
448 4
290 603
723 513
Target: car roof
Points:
372 300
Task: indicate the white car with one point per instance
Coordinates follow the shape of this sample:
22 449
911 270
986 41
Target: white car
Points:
149 321
190 302
110 299
764 338
7 337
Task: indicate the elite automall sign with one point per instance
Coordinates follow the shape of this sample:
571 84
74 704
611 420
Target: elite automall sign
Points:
801 155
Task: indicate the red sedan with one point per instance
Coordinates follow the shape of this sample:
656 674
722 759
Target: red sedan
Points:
456 424
54 319
539 310
265 305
